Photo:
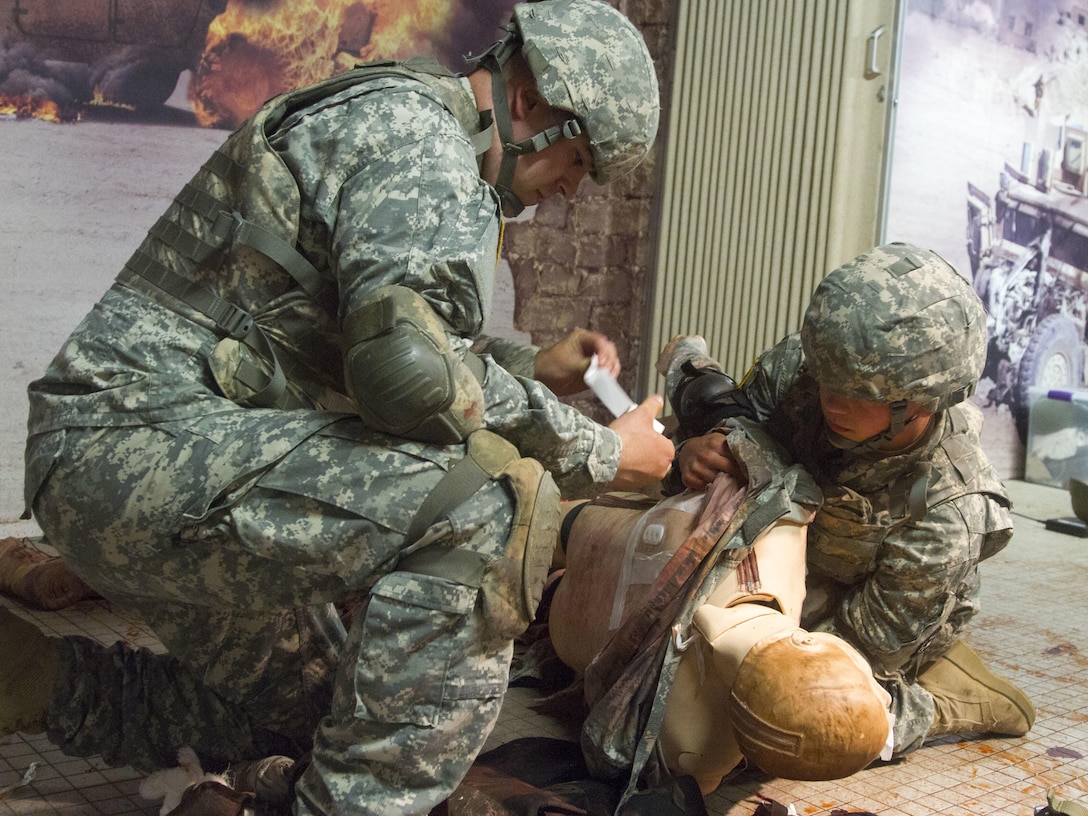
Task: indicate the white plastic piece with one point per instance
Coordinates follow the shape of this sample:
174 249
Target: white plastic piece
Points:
610 392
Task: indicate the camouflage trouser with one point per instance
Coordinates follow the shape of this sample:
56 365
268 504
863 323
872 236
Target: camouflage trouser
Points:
231 535
914 713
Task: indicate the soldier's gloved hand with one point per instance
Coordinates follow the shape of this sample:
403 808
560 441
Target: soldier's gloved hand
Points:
646 454
562 366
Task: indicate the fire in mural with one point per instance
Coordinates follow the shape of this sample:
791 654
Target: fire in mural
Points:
59 57
254 51
26 106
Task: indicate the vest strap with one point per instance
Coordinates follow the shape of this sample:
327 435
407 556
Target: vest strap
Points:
453 489
230 227
234 321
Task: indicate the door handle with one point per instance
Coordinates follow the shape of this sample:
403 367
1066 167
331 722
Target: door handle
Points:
874 69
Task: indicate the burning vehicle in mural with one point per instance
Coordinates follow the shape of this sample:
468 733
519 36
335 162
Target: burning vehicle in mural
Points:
59 56
56 56
1028 248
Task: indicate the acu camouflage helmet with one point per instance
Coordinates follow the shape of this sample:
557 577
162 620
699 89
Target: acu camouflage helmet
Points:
896 323
590 60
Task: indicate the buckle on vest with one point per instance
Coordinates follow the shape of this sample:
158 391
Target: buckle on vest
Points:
226 227
237 324
235 321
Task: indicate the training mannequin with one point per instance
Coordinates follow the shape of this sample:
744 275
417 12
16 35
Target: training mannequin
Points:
750 682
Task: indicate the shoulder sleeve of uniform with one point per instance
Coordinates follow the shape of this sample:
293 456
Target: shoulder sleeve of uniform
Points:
960 464
772 374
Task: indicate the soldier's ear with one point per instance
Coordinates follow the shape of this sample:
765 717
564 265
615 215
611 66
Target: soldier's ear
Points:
525 100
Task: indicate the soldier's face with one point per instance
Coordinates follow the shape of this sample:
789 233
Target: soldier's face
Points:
557 169
859 420
855 419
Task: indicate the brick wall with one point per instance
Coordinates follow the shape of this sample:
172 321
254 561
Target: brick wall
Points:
585 262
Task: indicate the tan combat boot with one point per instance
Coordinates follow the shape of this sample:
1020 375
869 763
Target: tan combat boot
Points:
970 697
28 671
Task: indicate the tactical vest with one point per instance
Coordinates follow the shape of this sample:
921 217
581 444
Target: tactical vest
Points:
243 208
849 528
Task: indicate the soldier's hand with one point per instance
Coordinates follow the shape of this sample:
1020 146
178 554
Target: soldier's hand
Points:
646 455
562 366
702 458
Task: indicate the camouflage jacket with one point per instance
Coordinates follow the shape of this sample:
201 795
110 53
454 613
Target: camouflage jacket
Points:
900 536
372 180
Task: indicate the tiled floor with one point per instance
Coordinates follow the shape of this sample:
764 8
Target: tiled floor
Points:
1033 628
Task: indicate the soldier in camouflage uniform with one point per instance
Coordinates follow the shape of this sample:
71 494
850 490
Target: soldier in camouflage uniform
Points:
275 408
871 397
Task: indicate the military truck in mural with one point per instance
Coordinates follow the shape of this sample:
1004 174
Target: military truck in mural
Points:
1028 249
126 52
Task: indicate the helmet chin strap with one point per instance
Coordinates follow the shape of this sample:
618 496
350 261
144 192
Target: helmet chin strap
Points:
494 58
512 205
871 444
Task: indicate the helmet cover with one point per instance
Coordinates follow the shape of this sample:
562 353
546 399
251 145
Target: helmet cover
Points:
896 323
590 60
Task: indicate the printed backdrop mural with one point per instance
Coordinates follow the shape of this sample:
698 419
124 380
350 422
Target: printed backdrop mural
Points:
989 169
60 56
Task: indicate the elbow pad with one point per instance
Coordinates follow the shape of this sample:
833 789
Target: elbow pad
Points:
403 374
704 398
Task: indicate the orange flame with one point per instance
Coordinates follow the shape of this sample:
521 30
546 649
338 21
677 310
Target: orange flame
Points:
98 100
402 29
256 49
28 107
255 52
